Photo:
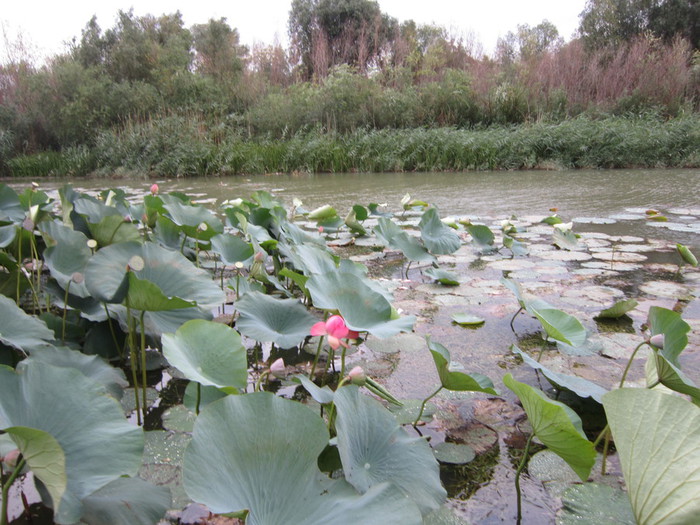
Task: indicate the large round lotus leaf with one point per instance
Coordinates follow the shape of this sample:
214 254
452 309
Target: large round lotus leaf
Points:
284 322
231 248
437 236
10 206
20 330
362 308
7 235
91 366
100 447
158 323
126 501
93 209
656 436
389 234
114 229
659 370
578 385
454 380
481 234
145 296
107 280
192 219
617 310
442 276
209 353
559 325
310 258
375 449
260 452
66 254
557 426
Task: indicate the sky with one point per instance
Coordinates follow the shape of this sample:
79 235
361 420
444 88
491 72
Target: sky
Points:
44 26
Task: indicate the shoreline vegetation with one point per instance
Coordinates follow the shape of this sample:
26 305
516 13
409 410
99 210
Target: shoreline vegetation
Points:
176 146
356 91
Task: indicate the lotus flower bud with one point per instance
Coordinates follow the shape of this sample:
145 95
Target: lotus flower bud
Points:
320 229
278 369
154 189
657 341
259 257
357 376
11 458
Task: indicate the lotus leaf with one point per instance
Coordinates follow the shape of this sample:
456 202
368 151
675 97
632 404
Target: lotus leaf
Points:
375 449
209 353
191 218
238 460
391 235
231 248
595 503
101 449
457 381
559 325
126 501
579 386
20 330
362 308
659 370
442 276
481 235
617 310
439 238
656 436
557 426
674 330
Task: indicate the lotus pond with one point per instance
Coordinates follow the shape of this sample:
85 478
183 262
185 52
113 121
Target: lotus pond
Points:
466 365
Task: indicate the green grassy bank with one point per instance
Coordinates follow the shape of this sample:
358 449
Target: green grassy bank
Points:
180 146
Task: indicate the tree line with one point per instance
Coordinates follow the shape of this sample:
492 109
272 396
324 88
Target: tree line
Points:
349 66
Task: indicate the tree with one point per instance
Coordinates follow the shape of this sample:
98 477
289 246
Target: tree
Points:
219 53
610 22
326 33
528 42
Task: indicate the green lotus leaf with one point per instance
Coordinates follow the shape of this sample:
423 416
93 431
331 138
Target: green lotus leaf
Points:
389 234
373 208
674 329
239 460
106 274
10 205
552 220
284 322
7 235
565 239
442 276
375 449
558 325
323 213
19 330
362 308
659 370
439 238
352 223
557 426
595 503
310 258
191 218
231 248
207 352
656 436
126 501
323 395
454 380
617 310
92 209
93 367
296 278
687 255
144 295
467 319
66 254
361 212
482 235
514 245
579 386
113 229
103 447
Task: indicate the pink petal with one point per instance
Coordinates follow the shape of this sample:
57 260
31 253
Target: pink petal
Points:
334 342
352 334
336 327
319 329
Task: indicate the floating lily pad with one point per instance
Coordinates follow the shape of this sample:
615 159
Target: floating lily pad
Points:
442 276
453 453
594 503
407 413
617 310
467 319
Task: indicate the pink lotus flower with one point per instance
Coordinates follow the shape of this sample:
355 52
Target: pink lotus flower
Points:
154 189
336 329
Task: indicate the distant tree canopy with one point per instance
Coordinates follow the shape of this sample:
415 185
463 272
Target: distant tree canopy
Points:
326 33
218 49
611 22
528 42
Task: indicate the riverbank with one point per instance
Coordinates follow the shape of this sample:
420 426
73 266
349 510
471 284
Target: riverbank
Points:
180 147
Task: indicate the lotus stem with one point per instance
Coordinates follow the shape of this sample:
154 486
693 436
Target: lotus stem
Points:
19 266
199 398
37 275
114 335
629 363
65 313
6 490
143 360
521 467
132 358
425 402
513 319
318 348
606 444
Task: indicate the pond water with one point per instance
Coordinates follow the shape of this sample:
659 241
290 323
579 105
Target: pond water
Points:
576 194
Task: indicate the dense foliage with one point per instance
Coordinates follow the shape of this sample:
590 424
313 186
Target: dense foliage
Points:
349 67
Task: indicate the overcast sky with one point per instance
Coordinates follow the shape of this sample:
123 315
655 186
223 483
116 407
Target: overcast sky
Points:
46 25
